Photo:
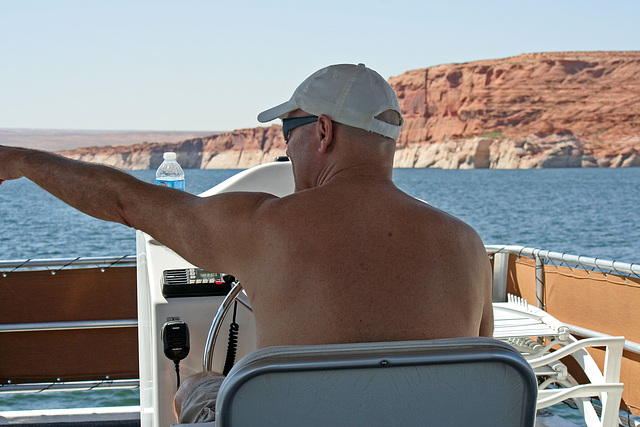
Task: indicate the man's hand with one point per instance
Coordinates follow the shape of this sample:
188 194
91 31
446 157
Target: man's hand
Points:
9 161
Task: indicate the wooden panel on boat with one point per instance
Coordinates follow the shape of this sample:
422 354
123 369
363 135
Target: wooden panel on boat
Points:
521 278
575 295
79 355
68 296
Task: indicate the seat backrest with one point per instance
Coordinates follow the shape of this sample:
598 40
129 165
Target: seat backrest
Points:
458 381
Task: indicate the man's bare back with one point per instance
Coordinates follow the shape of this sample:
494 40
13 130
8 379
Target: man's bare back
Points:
358 260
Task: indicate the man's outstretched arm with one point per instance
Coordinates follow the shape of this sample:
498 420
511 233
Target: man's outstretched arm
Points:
186 223
96 190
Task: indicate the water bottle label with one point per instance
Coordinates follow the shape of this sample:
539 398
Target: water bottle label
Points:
178 183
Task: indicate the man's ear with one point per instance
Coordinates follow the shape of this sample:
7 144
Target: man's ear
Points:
325 133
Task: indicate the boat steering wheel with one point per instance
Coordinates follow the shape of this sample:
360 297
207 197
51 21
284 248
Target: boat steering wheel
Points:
214 330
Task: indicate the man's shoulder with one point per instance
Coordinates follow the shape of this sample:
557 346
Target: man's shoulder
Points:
445 224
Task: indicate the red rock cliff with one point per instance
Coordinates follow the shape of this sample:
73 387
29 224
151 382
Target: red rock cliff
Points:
529 111
588 100
239 149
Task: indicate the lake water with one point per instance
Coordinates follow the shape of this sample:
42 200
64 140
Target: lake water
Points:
591 212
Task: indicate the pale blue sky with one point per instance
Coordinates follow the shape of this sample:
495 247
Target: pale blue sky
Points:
214 65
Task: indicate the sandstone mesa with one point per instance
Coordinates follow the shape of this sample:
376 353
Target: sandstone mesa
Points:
540 110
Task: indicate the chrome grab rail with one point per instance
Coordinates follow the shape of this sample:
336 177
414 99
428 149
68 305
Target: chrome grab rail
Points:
210 344
58 326
69 386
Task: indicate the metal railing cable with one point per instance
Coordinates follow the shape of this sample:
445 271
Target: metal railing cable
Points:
58 264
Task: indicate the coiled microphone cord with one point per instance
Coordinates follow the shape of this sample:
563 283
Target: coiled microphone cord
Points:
232 347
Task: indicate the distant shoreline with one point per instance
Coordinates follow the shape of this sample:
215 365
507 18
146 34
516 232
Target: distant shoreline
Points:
70 139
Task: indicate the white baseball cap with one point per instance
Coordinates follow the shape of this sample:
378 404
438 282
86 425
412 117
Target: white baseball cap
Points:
349 94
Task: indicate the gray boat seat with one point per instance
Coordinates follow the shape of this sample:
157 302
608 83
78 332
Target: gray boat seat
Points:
446 382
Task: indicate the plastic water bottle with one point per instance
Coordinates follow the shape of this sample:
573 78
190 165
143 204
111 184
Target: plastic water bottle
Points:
170 174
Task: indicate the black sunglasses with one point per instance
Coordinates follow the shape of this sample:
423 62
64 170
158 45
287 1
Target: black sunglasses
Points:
289 124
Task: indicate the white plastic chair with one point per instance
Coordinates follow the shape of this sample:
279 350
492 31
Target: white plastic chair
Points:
520 323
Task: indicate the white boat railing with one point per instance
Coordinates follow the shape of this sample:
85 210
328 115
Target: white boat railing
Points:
501 256
577 260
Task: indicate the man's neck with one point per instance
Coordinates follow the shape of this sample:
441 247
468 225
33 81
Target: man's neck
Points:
351 173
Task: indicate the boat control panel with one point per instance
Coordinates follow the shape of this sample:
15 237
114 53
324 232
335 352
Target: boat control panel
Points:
195 282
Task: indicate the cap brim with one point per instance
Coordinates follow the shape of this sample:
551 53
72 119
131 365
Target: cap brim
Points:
279 111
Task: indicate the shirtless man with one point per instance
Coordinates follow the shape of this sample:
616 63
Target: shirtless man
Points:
349 257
